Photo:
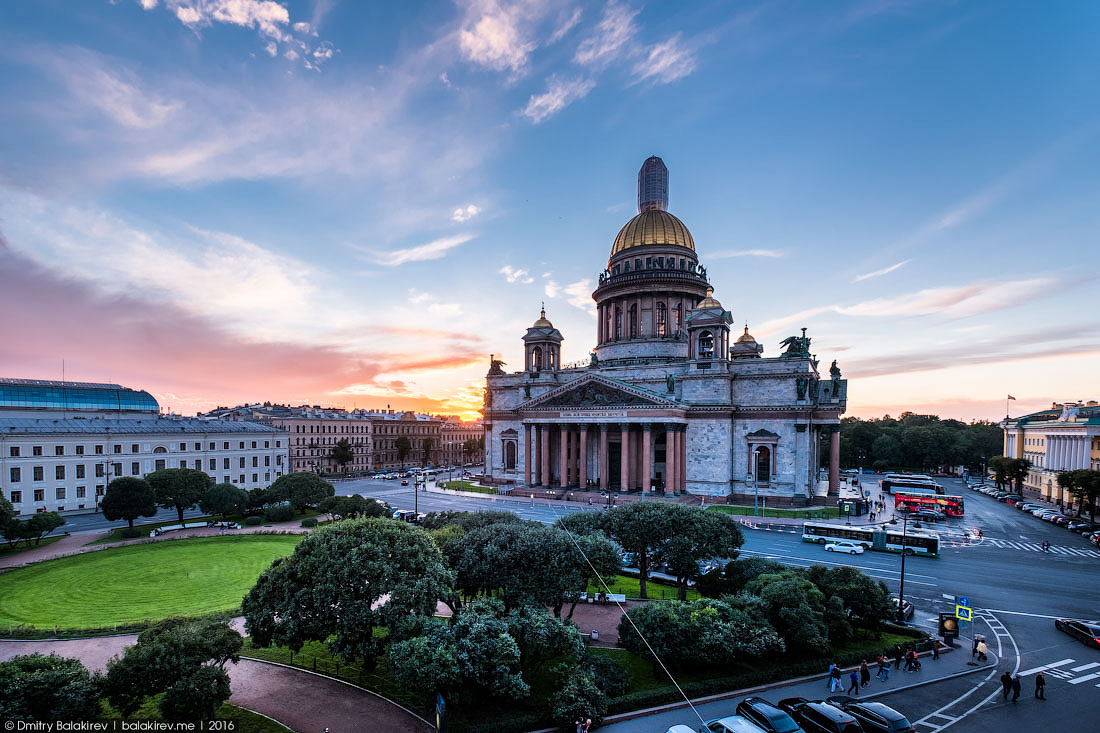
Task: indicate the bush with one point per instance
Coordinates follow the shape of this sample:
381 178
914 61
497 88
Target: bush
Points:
607 673
129 533
279 513
253 521
309 522
578 698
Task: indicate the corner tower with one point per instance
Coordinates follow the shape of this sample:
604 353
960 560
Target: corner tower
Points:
652 281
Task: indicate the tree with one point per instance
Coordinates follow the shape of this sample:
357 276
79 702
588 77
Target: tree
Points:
426 446
353 507
578 698
342 453
128 498
1000 466
344 580
7 511
641 528
181 658
1017 470
795 607
302 489
37 688
696 534
732 579
542 637
582 523
179 488
865 601
40 524
1084 486
404 447
224 499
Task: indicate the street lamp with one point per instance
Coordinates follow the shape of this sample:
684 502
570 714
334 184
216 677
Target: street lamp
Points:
904 552
755 482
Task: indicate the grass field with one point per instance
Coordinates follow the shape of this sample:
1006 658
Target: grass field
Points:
468 486
817 512
125 585
631 588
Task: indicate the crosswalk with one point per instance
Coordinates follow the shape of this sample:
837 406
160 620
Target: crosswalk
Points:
1037 547
1079 675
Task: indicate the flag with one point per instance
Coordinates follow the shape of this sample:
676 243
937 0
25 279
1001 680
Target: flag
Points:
1011 397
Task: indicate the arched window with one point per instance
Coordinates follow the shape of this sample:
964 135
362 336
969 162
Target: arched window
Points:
160 449
510 454
618 322
662 316
634 321
763 464
536 358
706 345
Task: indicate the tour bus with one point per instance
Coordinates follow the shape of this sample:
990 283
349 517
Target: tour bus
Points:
886 539
909 482
908 501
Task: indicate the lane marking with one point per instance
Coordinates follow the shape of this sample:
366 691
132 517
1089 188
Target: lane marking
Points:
1022 613
1044 667
1083 667
1086 678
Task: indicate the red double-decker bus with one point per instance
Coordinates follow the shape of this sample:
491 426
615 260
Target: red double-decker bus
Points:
952 506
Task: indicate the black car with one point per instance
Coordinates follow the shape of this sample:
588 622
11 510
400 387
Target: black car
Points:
819 717
873 717
928 515
1083 631
766 717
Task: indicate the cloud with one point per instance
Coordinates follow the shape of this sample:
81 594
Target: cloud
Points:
514 275
666 62
148 4
579 295
567 24
463 215
301 27
433 250
559 95
272 48
883 271
726 254
551 288
612 36
446 81
497 37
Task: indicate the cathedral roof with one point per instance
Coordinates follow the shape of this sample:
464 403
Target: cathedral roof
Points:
709 301
543 322
746 337
652 227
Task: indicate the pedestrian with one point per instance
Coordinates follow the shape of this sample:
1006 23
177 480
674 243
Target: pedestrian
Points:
1041 686
853 686
1006 685
1016 687
974 649
935 650
883 668
580 725
982 649
897 656
587 725
909 656
872 516
834 679
864 674
829 675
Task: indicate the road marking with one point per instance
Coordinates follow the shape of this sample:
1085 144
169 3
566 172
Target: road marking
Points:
1083 667
1021 613
1044 667
1086 678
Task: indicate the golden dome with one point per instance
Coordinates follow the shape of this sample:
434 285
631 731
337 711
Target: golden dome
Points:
652 227
709 301
746 337
542 322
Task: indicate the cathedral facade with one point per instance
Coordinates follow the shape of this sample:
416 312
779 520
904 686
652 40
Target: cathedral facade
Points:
671 402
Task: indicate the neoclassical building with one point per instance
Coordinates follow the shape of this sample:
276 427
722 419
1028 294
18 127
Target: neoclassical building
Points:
671 400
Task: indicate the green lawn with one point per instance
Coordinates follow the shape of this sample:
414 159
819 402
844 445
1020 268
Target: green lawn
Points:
127 585
468 486
8 549
631 588
817 512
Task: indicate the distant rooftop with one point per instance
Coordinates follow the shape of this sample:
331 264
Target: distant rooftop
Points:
48 394
50 426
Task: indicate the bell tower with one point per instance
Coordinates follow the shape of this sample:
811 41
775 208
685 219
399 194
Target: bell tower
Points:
542 346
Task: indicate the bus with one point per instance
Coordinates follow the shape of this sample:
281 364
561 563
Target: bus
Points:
906 501
885 539
910 483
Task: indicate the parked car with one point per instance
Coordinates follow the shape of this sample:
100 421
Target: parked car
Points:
1011 497
928 515
730 724
852 548
907 608
1028 507
1083 631
873 717
1083 526
1060 519
819 717
680 728
766 717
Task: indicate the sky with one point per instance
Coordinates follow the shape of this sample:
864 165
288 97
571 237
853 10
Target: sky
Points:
356 203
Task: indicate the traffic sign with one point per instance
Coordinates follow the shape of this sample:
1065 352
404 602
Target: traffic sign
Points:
962 613
963 601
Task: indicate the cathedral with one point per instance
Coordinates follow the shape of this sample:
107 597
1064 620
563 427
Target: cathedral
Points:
671 401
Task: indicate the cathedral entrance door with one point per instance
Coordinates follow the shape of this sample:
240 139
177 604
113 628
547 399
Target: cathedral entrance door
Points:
614 466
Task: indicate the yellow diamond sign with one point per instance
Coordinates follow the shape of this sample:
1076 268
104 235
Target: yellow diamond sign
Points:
962 613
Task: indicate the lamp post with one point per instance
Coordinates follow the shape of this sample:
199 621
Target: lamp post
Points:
904 552
755 482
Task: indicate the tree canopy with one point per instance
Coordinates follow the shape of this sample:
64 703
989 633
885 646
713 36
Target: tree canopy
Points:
342 453
179 488
128 498
1084 486
224 499
353 507
917 442
302 489
404 447
45 689
343 581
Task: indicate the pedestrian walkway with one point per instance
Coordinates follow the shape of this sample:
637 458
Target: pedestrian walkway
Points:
1037 547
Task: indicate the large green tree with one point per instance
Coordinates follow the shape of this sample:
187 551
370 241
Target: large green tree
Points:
917 442
1017 470
342 582
641 527
796 608
302 489
404 447
694 535
7 511
865 601
38 689
426 446
182 660
224 499
1084 486
342 454
353 507
128 498
179 488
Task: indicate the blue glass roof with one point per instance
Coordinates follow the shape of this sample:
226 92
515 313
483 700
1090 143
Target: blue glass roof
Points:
30 394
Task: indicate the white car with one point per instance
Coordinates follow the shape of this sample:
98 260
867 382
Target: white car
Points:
852 548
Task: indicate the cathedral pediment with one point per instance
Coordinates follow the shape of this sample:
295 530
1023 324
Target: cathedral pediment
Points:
596 393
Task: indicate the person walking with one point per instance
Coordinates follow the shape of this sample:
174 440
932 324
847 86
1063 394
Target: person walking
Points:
834 679
935 650
1006 685
897 656
982 649
853 680
864 674
1016 687
883 668
1041 686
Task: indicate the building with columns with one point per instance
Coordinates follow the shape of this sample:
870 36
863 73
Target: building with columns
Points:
1064 438
669 402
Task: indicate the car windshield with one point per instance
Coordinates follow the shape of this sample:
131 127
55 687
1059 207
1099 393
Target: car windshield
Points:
785 724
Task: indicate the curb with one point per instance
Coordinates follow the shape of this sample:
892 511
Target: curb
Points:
634 714
257 712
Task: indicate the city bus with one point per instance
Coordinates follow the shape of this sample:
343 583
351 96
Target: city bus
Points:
907 501
883 538
911 484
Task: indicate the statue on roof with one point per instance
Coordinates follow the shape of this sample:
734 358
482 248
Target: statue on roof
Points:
670 383
495 365
834 371
797 346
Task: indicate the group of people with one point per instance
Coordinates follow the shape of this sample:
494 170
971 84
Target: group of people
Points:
861 677
1012 684
583 725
